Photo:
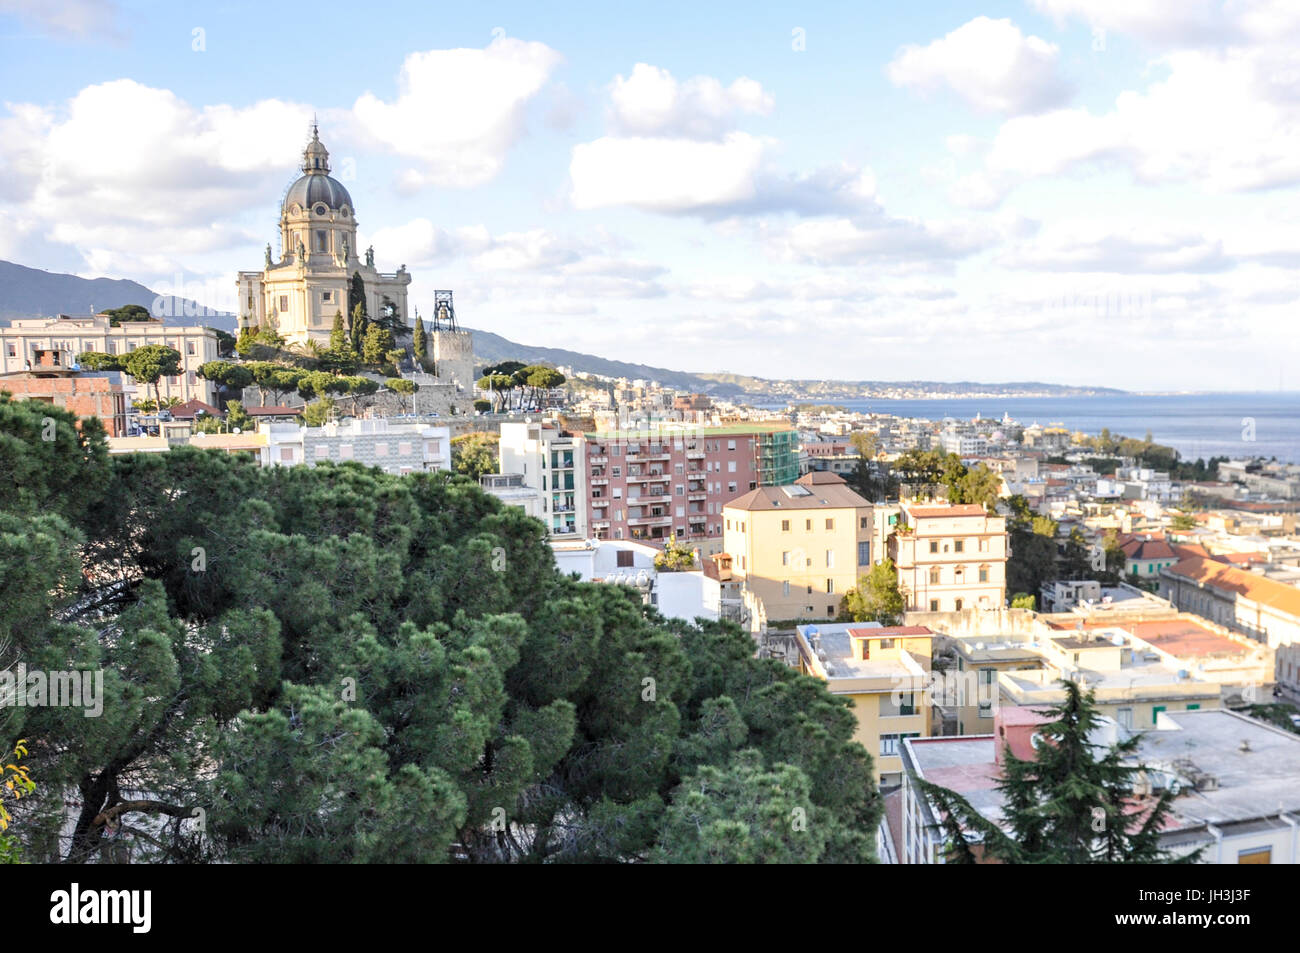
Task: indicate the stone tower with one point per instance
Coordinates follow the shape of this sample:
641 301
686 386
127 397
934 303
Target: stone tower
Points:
452 349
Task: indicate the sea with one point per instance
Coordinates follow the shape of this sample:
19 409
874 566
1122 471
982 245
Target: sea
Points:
1260 424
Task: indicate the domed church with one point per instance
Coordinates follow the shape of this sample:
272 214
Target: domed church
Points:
299 294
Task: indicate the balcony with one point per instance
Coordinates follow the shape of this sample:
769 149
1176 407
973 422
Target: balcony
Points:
648 498
695 454
664 520
599 481
599 459
697 496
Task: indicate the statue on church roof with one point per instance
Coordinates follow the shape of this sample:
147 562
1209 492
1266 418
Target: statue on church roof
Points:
302 251
370 256
268 254
347 248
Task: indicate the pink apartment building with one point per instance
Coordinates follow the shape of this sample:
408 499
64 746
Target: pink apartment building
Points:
652 484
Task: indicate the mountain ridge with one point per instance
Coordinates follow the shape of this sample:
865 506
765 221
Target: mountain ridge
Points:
28 292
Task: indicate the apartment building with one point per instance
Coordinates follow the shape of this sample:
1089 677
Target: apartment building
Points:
674 480
550 459
950 557
799 548
885 674
73 335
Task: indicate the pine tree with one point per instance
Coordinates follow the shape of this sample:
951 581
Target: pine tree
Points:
1067 804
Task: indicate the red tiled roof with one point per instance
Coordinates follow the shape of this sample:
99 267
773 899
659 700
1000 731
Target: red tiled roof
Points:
279 411
1226 578
890 631
951 509
1139 548
189 410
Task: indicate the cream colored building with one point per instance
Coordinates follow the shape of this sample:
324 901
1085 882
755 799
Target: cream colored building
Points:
77 334
950 557
299 294
799 548
885 674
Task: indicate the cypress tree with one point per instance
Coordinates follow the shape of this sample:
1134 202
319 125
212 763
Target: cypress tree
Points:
420 343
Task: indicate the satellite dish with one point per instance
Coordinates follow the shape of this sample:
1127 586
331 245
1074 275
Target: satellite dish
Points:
237 430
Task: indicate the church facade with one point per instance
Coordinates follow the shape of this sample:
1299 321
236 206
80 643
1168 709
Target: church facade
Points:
299 295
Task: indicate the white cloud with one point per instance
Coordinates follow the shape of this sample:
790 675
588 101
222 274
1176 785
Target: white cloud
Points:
988 63
880 239
459 111
736 176
1219 121
1183 23
123 166
651 102
89 19
666 175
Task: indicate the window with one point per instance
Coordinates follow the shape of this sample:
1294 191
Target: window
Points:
624 558
404 448
327 297
830 559
864 554
189 347
1256 855
381 449
1125 717
807 525
731 445
286 454
984 573
284 303
785 588
934 545
322 451
731 466
830 610
785 558
957 545
13 351
830 585
785 524
934 575
830 524
1155 713
322 240
862 522
957 605
934 605
618 471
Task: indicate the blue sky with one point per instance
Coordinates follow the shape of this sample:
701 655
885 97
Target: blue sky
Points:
1085 192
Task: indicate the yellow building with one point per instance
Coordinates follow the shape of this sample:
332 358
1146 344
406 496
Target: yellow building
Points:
298 294
884 672
799 548
950 557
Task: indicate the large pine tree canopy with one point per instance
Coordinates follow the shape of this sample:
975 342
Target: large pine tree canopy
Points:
334 664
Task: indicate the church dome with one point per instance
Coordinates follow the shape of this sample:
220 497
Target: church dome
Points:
316 187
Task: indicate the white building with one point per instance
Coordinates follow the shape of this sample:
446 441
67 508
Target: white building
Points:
550 460
395 448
